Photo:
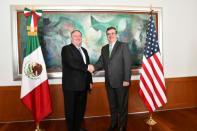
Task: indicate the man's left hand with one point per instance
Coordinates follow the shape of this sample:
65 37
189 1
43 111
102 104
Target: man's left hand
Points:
90 89
125 83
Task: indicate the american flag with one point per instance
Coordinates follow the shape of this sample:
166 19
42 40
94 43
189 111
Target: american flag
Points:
152 82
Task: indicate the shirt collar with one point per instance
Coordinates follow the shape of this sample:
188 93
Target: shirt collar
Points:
112 44
78 47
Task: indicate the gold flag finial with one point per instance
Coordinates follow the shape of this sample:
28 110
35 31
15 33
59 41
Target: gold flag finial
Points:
151 121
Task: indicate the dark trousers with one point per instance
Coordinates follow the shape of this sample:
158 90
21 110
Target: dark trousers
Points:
75 104
118 102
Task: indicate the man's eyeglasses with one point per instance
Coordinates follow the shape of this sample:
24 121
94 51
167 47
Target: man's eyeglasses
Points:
111 33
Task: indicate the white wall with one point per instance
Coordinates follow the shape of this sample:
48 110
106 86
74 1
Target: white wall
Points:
179 33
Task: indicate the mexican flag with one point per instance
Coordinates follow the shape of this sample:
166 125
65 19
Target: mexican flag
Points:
35 88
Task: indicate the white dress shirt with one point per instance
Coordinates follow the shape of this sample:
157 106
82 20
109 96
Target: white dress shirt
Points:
83 54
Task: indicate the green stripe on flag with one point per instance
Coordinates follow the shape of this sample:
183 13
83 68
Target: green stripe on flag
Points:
32 44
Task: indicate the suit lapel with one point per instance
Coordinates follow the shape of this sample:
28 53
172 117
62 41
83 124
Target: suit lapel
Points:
86 55
113 50
77 53
106 51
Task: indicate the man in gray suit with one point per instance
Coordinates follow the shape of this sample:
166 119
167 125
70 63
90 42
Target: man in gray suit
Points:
115 59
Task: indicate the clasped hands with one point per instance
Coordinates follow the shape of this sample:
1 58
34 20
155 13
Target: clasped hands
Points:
91 69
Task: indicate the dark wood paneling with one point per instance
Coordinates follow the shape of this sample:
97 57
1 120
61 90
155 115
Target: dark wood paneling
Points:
179 120
181 93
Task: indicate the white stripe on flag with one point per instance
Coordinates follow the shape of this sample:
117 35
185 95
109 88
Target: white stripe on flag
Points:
159 88
147 97
29 84
161 76
147 80
32 24
25 11
39 13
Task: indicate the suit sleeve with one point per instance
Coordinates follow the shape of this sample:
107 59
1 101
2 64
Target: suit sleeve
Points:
89 74
127 62
90 77
67 60
99 63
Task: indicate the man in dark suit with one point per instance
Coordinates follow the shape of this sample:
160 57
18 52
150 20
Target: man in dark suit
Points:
115 59
76 81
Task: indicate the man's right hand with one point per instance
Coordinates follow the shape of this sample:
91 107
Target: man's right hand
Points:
90 68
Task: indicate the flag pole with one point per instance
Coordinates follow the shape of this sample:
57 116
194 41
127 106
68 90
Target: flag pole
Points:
151 121
38 127
151 10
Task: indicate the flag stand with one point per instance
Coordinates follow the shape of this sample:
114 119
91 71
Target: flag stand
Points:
38 128
151 121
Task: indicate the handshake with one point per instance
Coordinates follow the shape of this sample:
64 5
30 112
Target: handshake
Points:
91 68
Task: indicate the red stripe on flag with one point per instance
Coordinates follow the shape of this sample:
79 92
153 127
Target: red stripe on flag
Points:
148 89
145 101
161 68
158 63
27 14
35 18
157 79
39 101
156 74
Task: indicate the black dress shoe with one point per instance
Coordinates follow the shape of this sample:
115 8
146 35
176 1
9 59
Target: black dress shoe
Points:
123 128
83 129
112 128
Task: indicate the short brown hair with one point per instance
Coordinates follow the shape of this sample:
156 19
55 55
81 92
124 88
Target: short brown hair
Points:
111 27
76 31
